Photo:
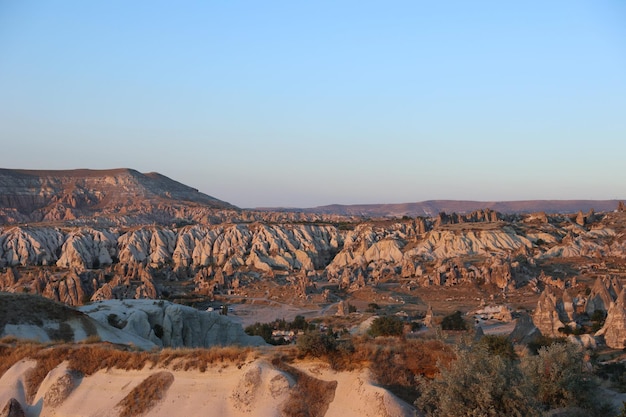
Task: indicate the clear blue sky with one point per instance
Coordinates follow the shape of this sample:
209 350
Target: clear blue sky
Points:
292 103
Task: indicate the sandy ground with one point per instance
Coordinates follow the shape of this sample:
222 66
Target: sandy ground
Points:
248 313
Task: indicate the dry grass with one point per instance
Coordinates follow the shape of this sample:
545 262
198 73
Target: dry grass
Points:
394 362
11 353
310 397
92 358
89 359
146 395
200 359
47 360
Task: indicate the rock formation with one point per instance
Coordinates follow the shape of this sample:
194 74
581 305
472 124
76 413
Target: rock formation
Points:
525 330
546 316
428 319
170 325
77 264
599 298
614 329
13 408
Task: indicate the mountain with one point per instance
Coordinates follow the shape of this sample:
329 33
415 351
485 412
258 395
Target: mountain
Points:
431 208
37 195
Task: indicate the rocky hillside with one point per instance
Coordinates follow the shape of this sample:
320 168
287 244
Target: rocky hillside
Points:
45 196
79 264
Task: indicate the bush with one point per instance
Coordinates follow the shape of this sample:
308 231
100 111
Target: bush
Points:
598 316
544 341
415 326
498 345
615 373
477 384
557 379
454 321
316 344
386 326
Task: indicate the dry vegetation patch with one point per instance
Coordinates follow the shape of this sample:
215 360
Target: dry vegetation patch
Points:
310 397
47 360
12 352
146 395
395 362
199 359
89 359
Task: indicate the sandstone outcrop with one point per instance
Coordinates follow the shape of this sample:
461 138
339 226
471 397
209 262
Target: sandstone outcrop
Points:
13 408
599 298
170 325
88 248
546 315
95 263
614 329
525 330
37 318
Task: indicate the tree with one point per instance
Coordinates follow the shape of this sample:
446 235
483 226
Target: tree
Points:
386 326
299 323
264 330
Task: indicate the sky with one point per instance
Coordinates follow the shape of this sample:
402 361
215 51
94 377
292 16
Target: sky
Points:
301 104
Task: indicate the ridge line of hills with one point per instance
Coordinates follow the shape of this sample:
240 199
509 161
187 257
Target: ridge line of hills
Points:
126 196
431 208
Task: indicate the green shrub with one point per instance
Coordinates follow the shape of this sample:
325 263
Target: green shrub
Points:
454 321
373 306
498 345
556 378
544 341
316 344
477 384
386 326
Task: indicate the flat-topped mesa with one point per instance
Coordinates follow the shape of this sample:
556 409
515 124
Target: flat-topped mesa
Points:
33 195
